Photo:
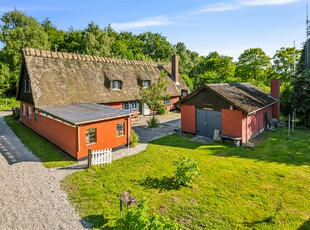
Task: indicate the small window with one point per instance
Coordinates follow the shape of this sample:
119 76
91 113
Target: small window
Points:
167 101
120 129
91 136
184 92
29 112
27 87
36 115
145 84
24 110
126 105
134 105
116 84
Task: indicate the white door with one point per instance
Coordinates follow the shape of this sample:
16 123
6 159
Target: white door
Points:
146 110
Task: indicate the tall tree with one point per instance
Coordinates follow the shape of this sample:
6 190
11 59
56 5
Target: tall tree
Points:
213 68
18 31
254 65
55 37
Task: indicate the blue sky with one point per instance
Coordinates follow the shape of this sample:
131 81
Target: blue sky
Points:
228 27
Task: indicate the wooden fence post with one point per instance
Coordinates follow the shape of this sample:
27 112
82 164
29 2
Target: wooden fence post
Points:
89 158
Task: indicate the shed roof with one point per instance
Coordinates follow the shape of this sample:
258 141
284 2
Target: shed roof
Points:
244 96
62 78
85 113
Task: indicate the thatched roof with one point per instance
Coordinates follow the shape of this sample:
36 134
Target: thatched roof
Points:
62 78
244 96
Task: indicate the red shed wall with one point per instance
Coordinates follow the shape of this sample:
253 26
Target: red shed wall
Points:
188 118
232 123
253 124
118 105
106 136
60 134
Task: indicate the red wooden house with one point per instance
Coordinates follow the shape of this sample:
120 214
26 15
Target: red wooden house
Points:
240 110
79 101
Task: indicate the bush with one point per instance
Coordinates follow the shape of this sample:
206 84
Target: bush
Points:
162 110
134 139
16 112
8 103
153 122
187 170
138 218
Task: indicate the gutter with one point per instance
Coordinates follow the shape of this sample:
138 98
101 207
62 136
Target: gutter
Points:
253 112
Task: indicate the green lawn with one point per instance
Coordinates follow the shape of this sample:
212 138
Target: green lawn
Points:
49 154
267 187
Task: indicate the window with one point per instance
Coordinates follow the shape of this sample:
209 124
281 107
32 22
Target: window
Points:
126 105
131 105
120 129
91 136
24 110
145 84
36 115
116 84
29 112
184 92
134 105
27 87
167 101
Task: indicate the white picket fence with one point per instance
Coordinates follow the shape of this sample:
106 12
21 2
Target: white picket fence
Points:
101 156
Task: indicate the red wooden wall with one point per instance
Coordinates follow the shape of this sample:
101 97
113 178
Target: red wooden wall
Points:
188 118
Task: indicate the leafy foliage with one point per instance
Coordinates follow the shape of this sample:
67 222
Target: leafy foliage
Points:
153 96
134 139
153 122
138 218
187 169
301 96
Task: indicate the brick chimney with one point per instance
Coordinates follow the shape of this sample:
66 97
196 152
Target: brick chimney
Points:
275 93
175 68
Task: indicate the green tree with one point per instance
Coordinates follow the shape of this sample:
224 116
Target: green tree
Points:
283 65
153 96
254 65
187 59
19 31
213 68
55 37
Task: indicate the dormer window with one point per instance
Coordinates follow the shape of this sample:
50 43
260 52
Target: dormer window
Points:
184 92
145 84
116 84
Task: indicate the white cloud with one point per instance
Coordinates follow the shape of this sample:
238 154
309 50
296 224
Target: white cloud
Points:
142 23
267 2
219 7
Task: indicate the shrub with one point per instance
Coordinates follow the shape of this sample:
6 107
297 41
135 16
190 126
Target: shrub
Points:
153 122
16 112
187 169
162 110
138 218
134 140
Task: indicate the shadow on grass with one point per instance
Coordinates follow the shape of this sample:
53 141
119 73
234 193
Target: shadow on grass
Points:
253 224
163 184
94 221
270 147
305 226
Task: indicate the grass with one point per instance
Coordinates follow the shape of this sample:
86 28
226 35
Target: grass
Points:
267 187
49 154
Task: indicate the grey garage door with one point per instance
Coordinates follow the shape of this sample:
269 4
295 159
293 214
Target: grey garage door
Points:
207 121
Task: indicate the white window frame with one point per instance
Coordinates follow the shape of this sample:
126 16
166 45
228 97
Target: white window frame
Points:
116 84
29 112
91 136
167 102
27 86
120 129
145 84
24 109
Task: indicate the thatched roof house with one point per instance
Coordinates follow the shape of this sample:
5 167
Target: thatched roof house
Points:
62 78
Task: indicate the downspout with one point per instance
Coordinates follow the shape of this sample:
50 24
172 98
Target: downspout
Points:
78 128
128 130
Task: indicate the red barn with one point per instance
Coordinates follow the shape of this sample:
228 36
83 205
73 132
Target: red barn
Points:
80 101
240 110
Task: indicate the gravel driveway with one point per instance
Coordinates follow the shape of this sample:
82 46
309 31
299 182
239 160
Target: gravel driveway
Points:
30 196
